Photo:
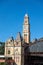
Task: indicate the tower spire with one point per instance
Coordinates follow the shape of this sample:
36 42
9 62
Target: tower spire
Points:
26 29
26 15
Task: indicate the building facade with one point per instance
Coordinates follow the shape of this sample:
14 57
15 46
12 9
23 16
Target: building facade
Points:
15 48
21 49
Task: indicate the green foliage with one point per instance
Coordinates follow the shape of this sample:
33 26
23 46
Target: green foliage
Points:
4 63
2 48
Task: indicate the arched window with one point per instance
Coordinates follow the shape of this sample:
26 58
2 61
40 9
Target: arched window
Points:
8 51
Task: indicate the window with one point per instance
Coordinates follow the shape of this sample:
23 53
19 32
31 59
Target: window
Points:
8 51
11 40
25 34
25 37
16 58
25 21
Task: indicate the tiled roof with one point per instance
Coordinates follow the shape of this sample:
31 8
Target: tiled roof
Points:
36 47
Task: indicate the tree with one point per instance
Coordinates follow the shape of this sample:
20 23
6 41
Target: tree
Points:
2 48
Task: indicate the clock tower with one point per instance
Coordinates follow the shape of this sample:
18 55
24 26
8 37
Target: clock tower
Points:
26 29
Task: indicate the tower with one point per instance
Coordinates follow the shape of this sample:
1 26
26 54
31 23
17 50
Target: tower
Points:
26 29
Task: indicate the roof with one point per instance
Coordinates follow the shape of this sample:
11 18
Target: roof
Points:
35 48
18 38
10 39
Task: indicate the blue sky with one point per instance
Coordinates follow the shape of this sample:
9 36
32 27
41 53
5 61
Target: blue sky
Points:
12 16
